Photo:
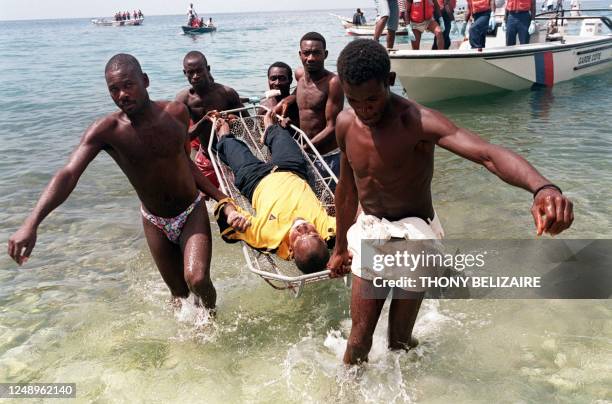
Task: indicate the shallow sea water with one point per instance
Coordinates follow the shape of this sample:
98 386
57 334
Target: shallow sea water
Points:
90 307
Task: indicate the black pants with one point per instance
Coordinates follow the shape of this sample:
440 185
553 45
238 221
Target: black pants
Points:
448 19
249 170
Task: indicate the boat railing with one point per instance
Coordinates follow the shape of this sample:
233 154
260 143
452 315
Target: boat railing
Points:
560 16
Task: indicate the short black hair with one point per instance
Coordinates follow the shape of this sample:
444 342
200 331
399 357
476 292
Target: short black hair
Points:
123 60
314 258
282 65
194 54
314 36
362 60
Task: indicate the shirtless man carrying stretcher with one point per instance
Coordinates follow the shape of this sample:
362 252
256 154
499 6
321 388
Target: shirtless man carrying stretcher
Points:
148 141
387 145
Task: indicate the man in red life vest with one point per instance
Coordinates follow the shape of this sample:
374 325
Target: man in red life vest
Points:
520 16
483 15
421 18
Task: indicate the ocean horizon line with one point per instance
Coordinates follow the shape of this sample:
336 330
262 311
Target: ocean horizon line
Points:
174 15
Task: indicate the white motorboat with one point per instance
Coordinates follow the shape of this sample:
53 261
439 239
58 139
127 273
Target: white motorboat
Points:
366 29
551 57
117 23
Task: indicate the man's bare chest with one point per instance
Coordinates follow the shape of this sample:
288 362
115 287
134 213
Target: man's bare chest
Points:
209 103
311 97
163 140
388 153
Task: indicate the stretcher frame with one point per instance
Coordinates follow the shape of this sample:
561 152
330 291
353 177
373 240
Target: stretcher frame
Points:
267 265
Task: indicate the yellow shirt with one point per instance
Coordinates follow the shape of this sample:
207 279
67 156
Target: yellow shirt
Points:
279 199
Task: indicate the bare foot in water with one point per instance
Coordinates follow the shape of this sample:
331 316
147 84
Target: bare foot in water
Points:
414 342
176 303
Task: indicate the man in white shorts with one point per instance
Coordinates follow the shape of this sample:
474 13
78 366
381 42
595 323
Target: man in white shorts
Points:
388 13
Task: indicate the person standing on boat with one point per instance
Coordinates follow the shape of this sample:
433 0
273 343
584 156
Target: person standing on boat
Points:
358 18
388 14
483 14
447 8
203 97
575 8
388 145
191 15
191 11
519 20
559 6
421 19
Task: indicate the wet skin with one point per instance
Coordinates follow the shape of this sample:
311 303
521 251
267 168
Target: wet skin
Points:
319 97
280 79
204 96
148 141
387 145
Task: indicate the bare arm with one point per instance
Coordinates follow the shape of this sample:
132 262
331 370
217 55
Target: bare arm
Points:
22 242
552 212
335 102
282 107
346 204
179 111
234 218
183 98
506 164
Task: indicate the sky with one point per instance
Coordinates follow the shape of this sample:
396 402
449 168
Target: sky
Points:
40 9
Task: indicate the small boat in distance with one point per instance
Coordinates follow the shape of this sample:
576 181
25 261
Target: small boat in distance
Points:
198 30
103 22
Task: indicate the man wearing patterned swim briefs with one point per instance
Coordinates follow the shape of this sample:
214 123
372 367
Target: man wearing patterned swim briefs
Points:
148 141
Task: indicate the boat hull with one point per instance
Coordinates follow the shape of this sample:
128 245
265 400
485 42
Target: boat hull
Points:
369 31
113 23
429 76
196 31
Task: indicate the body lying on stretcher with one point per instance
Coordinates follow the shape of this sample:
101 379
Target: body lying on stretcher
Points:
290 221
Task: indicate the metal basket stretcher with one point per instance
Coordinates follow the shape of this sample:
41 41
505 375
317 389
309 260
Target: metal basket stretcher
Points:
278 273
